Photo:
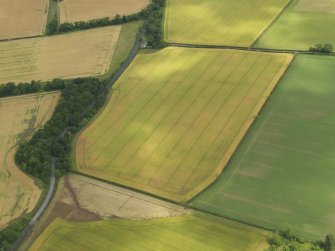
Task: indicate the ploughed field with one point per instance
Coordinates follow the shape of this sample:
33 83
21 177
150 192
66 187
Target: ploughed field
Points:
22 18
176 116
78 54
283 173
188 232
304 24
20 117
219 22
84 10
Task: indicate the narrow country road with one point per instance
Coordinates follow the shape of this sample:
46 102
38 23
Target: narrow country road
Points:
52 184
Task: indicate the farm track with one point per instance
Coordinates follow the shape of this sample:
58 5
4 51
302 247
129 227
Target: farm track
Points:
52 184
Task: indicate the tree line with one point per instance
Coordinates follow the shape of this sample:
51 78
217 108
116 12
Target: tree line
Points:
152 16
80 99
285 241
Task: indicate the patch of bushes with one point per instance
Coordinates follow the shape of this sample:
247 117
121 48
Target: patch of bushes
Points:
9 234
326 48
285 241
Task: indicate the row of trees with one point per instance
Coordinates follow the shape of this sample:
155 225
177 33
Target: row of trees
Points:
152 16
80 100
285 241
325 48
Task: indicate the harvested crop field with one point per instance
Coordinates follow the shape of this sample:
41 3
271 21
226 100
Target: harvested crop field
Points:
108 201
22 18
78 54
175 118
282 176
20 117
303 25
219 22
189 232
84 10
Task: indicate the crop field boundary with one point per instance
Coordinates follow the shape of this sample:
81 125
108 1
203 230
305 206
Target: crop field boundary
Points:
243 131
287 7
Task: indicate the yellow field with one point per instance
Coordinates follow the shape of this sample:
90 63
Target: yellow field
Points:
176 117
78 54
195 232
219 22
20 18
20 117
84 10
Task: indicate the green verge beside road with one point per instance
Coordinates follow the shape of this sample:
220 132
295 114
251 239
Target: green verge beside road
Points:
189 232
282 175
304 24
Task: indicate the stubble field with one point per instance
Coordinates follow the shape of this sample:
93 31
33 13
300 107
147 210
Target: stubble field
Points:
78 54
22 18
282 176
20 117
175 118
219 22
189 232
303 25
84 10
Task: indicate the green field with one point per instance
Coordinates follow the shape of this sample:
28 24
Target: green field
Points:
283 173
304 24
189 232
219 22
176 116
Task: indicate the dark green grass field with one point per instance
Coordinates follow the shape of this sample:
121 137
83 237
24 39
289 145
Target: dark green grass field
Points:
283 174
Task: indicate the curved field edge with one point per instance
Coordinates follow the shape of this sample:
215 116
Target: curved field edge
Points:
30 113
189 232
248 44
125 44
224 160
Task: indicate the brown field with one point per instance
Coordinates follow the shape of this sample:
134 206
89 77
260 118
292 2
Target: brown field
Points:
322 6
20 117
22 18
85 10
78 54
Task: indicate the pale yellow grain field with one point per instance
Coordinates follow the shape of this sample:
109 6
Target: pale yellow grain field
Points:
85 10
78 54
20 117
20 18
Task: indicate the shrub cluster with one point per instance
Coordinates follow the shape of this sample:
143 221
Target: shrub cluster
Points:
285 241
326 48
9 235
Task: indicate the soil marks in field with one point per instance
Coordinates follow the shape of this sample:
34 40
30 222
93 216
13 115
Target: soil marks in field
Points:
175 118
20 117
22 18
84 10
78 54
